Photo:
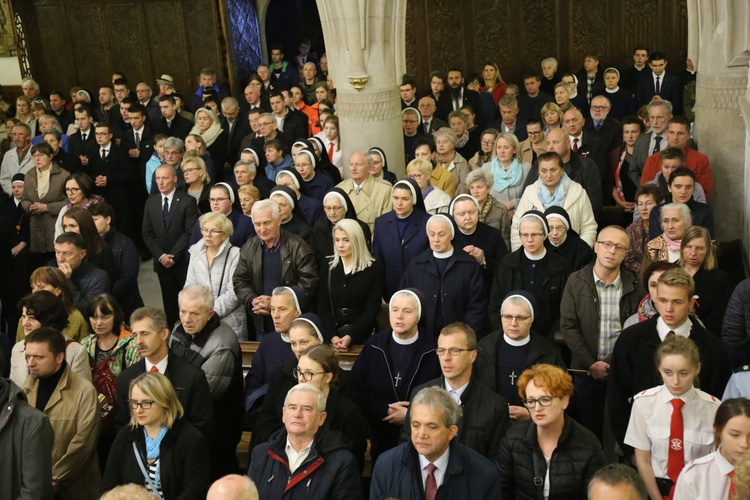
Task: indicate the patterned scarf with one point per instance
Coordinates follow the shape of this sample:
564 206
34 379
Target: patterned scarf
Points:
486 208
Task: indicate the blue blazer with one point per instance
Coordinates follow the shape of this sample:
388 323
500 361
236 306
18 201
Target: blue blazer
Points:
671 90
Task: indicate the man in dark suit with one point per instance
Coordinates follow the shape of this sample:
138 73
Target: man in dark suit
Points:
254 100
607 130
82 145
171 123
630 76
430 122
456 96
293 123
408 90
659 84
138 145
584 144
168 220
235 126
145 93
530 104
509 120
150 333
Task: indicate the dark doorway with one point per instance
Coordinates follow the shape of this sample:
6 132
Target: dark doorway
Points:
290 21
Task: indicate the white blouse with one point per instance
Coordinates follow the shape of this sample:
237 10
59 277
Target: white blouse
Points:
705 477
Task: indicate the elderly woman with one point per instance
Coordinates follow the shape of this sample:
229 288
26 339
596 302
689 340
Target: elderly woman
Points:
392 363
564 241
513 348
316 183
399 234
248 195
212 263
222 199
435 199
337 206
491 212
675 220
291 216
312 208
40 309
550 446
479 240
562 96
549 76
159 449
78 189
197 180
43 198
619 182
555 188
379 166
621 99
712 284
486 147
208 126
508 173
647 197
467 144
552 116
451 279
351 288
450 160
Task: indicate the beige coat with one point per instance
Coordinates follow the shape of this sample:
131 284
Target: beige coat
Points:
459 168
73 411
527 153
372 201
42 226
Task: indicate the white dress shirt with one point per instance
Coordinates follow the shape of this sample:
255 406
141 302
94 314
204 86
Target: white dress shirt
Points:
441 465
705 477
456 393
296 457
161 365
683 330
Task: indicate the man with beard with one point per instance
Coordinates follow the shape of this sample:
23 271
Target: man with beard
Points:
457 96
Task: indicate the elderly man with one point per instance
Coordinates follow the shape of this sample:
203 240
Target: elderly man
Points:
433 464
206 342
253 100
235 126
509 120
371 197
150 334
485 418
617 481
168 220
430 122
533 269
584 144
233 487
18 159
71 404
596 302
659 114
145 93
272 258
84 280
304 453
605 128
31 90
505 353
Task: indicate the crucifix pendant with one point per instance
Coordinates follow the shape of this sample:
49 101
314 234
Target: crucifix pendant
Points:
513 377
397 378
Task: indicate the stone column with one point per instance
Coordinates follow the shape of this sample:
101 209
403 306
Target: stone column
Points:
718 45
366 59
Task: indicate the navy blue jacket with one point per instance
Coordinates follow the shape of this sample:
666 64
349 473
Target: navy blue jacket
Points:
461 290
393 253
125 287
329 471
469 475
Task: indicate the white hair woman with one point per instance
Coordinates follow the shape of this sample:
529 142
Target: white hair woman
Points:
491 212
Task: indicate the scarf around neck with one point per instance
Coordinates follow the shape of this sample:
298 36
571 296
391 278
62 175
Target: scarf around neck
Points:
505 178
152 450
553 200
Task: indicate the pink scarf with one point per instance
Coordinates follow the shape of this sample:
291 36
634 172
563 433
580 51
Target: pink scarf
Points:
673 246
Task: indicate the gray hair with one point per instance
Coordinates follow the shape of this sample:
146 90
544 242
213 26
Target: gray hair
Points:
517 300
508 101
606 99
175 143
230 102
314 390
438 398
250 166
53 120
680 207
198 292
266 205
29 81
617 474
551 61
479 175
447 133
660 102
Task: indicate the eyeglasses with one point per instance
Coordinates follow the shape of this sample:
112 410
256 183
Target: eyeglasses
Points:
488 143
146 405
217 200
608 245
188 170
332 209
415 176
306 376
544 402
599 108
526 236
530 132
453 351
38 155
298 164
212 232
518 319
72 190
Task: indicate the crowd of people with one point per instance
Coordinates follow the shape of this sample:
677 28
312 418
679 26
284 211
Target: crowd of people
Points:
544 276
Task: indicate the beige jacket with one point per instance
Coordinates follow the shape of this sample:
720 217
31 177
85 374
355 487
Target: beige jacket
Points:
372 200
527 153
73 411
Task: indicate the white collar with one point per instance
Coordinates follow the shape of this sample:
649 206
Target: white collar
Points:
459 391
517 343
402 341
443 255
161 365
535 257
612 91
683 330
139 130
441 463
579 137
721 463
666 397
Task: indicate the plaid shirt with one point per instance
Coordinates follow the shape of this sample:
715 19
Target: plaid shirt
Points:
609 315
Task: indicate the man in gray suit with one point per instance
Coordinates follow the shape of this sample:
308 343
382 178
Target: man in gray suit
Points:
168 221
659 114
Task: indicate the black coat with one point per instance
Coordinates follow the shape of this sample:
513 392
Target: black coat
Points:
470 97
576 252
633 369
180 127
183 457
490 240
484 422
540 352
77 147
351 300
713 288
118 170
609 134
189 383
575 460
508 278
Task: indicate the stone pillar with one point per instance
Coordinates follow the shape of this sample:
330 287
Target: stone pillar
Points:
366 59
718 45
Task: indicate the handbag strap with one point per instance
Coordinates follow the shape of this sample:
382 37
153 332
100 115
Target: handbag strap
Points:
538 481
330 297
150 482
223 269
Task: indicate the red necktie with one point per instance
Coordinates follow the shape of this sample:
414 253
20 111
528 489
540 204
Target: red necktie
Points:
330 152
430 485
732 491
154 369
676 457
575 144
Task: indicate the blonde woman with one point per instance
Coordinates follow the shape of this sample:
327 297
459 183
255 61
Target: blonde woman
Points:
196 180
508 173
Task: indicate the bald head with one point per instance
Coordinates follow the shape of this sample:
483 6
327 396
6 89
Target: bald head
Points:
559 142
233 487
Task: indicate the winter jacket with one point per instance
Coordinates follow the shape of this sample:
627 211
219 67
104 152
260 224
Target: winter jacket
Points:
87 282
736 329
574 461
329 471
218 278
26 439
469 475
579 313
183 454
125 287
